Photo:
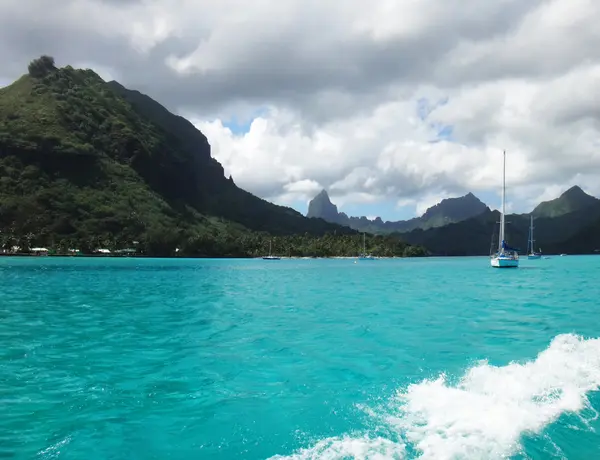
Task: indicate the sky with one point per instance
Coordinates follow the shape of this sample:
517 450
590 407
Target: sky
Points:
390 105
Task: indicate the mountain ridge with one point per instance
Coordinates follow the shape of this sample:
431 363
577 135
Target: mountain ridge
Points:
478 235
570 200
566 223
447 211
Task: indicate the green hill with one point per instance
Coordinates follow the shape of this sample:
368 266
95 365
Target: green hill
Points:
476 236
572 200
85 163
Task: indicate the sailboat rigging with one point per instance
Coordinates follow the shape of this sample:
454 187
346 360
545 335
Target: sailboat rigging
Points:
531 254
364 255
505 257
270 256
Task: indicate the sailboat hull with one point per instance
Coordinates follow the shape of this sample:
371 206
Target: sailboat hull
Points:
504 262
534 256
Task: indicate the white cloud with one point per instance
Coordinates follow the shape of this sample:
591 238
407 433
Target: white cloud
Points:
340 88
387 153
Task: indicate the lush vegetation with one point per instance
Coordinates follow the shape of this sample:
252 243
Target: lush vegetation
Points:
570 201
329 245
570 233
87 164
220 239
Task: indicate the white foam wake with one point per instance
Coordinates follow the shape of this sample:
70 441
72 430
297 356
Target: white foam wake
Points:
485 414
346 447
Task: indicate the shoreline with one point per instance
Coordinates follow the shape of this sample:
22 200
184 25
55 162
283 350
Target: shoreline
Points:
143 256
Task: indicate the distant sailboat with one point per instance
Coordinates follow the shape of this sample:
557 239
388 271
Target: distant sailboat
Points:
531 254
364 255
270 256
505 257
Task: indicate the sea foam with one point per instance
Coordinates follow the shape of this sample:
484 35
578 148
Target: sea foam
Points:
482 416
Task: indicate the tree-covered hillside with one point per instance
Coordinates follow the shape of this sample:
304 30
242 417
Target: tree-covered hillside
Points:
85 163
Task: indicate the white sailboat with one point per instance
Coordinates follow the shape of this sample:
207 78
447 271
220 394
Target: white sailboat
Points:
364 255
531 254
505 257
270 256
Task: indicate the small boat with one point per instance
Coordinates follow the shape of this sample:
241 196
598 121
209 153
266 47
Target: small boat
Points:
270 256
531 254
364 255
505 257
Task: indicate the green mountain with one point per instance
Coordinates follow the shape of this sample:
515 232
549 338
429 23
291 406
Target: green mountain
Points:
85 163
451 210
572 200
447 211
570 233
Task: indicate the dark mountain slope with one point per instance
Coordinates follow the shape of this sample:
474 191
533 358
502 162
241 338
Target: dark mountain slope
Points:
585 241
224 198
474 236
84 161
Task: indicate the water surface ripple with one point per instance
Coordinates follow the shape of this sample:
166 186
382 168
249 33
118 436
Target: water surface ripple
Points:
250 359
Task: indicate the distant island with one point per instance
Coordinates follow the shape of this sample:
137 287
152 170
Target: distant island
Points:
91 167
465 226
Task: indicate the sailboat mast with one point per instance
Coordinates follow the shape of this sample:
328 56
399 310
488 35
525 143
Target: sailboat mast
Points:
501 236
531 235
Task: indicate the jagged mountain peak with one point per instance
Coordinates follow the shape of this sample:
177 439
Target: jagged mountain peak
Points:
322 194
322 207
447 211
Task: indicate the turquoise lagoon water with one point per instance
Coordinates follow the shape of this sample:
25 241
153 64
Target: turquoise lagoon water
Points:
251 359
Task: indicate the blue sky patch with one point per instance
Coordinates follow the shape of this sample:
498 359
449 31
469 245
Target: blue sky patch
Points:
444 133
425 107
241 125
